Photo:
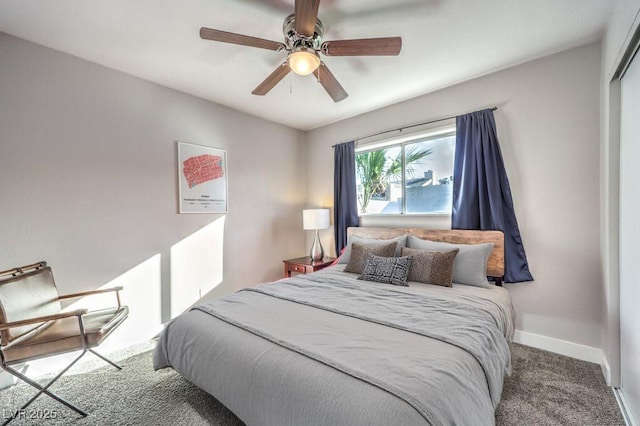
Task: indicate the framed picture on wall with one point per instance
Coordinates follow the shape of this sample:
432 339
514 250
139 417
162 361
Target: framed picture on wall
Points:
202 179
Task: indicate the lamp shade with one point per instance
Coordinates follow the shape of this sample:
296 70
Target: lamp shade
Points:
315 219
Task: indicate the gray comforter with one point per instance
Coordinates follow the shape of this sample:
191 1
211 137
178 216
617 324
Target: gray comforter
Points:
325 348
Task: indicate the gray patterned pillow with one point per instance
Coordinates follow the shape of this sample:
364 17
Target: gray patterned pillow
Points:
431 267
360 252
388 270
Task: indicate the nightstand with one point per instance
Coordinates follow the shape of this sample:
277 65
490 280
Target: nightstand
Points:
305 265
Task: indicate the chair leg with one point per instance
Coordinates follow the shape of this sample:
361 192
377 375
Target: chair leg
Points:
105 359
44 389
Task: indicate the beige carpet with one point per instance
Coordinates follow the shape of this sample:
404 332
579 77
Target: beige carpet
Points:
544 389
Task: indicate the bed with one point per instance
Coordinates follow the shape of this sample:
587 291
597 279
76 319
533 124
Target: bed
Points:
327 348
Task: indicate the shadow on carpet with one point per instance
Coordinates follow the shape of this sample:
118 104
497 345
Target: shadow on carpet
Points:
544 389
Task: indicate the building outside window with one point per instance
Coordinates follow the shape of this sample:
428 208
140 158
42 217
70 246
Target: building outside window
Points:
408 175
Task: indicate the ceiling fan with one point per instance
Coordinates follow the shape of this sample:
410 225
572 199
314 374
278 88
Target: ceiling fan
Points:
303 33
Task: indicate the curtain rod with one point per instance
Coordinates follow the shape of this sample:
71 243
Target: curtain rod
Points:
408 127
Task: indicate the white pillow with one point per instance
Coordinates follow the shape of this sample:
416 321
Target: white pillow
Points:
470 266
401 240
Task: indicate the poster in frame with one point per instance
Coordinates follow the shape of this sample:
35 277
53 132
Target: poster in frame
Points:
202 179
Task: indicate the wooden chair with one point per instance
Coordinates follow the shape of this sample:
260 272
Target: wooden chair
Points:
33 325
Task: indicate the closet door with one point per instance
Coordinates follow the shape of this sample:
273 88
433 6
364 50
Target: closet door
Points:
630 239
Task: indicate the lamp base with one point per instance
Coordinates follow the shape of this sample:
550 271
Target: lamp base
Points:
317 252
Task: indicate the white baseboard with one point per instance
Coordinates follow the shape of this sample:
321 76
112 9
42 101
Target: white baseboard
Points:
620 398
562 347
7 380
606 369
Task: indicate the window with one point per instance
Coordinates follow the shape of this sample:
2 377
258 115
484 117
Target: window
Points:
410 175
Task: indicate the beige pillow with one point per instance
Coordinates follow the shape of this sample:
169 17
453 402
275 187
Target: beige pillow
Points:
360 252
431 266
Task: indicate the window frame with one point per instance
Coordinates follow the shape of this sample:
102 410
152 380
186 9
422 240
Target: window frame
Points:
443 129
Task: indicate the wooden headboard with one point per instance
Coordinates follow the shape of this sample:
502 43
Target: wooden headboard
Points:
495 264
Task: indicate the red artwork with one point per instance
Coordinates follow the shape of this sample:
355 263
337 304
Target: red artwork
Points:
202 168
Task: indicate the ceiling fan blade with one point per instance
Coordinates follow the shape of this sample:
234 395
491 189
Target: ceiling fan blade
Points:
306 15
330 84
384 46
273 79
233 38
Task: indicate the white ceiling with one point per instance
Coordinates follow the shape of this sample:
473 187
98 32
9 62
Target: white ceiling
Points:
444 42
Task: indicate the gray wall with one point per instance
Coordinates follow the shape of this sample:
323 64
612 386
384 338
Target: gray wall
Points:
88 182
548 125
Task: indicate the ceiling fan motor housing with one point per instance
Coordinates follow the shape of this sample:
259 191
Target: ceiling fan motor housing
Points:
294 40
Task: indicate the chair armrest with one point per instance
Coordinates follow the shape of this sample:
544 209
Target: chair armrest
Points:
76 313
89 293
92 292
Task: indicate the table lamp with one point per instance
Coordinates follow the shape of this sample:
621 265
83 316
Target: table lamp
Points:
315 219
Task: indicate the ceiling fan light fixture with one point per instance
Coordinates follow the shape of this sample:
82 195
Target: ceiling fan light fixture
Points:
303 61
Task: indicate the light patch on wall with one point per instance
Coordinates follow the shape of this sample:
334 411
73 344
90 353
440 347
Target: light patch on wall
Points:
141 293
196 265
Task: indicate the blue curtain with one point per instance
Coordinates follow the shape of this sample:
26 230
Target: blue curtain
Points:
481 192
345 205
